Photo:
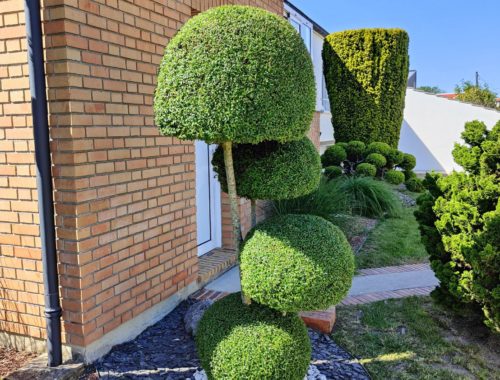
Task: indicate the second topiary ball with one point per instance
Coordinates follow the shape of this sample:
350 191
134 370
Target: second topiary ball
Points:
296 262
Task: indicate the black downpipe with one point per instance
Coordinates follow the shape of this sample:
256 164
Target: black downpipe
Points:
44 180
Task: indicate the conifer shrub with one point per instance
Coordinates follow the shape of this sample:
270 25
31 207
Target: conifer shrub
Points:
394 177
221 73
272 170
355 150
296 262
379 147
459 219
408 163
254 342
332 172
366 74
377 160
366 169
334 155
415 185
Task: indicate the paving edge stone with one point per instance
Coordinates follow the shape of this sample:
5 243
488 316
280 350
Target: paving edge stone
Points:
37 369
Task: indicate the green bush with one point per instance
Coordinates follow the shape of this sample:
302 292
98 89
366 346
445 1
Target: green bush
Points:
334 155
235 341
365 196
408 163
409 174
355 150
296 262
366 72
332 172
415 185
394 177
394 158
235 73
379 147
366 169
376 159
271 170
459 222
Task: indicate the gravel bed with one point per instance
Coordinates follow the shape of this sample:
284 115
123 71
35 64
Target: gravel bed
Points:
406 199
165 351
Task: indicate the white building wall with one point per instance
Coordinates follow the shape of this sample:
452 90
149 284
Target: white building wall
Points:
432 125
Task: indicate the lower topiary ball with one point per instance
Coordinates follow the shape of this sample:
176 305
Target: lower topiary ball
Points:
366 169
376 159
296 262
332 172
395 177
415 185
254 342
272 170
334 155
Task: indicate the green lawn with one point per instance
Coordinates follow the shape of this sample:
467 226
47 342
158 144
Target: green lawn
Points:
394 241
413 338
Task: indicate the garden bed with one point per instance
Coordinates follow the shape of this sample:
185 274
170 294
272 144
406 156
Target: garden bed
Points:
166 351
413 338
11 360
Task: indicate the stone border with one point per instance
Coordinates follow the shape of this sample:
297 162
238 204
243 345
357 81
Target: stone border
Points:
37 369
380 296
393 269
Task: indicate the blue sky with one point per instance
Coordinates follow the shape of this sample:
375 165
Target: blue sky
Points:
449 39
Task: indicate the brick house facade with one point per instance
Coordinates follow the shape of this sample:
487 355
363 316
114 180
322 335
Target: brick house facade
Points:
124 195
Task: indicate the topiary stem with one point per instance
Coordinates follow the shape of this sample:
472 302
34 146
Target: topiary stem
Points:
253 212
233 199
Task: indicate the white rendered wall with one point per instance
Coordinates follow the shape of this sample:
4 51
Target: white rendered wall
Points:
317 59
432 125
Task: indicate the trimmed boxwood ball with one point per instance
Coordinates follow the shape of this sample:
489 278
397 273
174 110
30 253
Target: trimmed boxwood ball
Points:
296 262
379 147
366 169
409 162
395 177
394 158
415 185
376 159
271 170
254 342
334 155
332 172
235 73
355 150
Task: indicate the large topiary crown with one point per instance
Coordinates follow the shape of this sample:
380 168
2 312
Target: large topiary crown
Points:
235 73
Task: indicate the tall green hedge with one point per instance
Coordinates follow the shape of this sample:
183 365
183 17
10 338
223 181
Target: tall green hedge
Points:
366 73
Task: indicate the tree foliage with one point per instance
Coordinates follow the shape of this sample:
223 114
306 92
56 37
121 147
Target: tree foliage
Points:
480 95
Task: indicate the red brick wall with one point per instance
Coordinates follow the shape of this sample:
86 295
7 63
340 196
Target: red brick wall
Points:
124 196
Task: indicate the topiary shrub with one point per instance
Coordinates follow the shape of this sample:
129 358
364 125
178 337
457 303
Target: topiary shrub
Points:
332 172
409 174
379 147
394 177
296 262
415 185
408 163
376 159
235 341
366 169
221 72
394 158
355 150
459 222
334 155
271 170
366 72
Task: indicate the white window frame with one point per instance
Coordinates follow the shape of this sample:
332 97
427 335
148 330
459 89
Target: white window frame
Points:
297 19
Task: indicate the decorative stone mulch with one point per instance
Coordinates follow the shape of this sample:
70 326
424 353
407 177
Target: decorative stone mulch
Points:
406 199
166 351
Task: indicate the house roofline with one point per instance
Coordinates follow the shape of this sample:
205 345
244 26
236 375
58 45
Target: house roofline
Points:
317 28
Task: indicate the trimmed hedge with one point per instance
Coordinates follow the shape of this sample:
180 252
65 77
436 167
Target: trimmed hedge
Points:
235 73
366 169
366 73
333 156
296 262
395 177
271 170
376 159
252 342
332 172
459 221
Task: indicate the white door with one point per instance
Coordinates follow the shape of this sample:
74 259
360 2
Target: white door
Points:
208 200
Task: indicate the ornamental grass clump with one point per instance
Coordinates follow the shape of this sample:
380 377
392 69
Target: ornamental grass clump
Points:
296 262
459 219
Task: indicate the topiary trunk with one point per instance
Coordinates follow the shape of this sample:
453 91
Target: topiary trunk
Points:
233 199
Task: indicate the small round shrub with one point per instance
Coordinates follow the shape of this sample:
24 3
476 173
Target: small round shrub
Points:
395 177
235 73
296 262
342 144
271 170
355 150
334 155
380 148
376 159
235 341
415 185
332 172
409 174
409 162
394 158
366 169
